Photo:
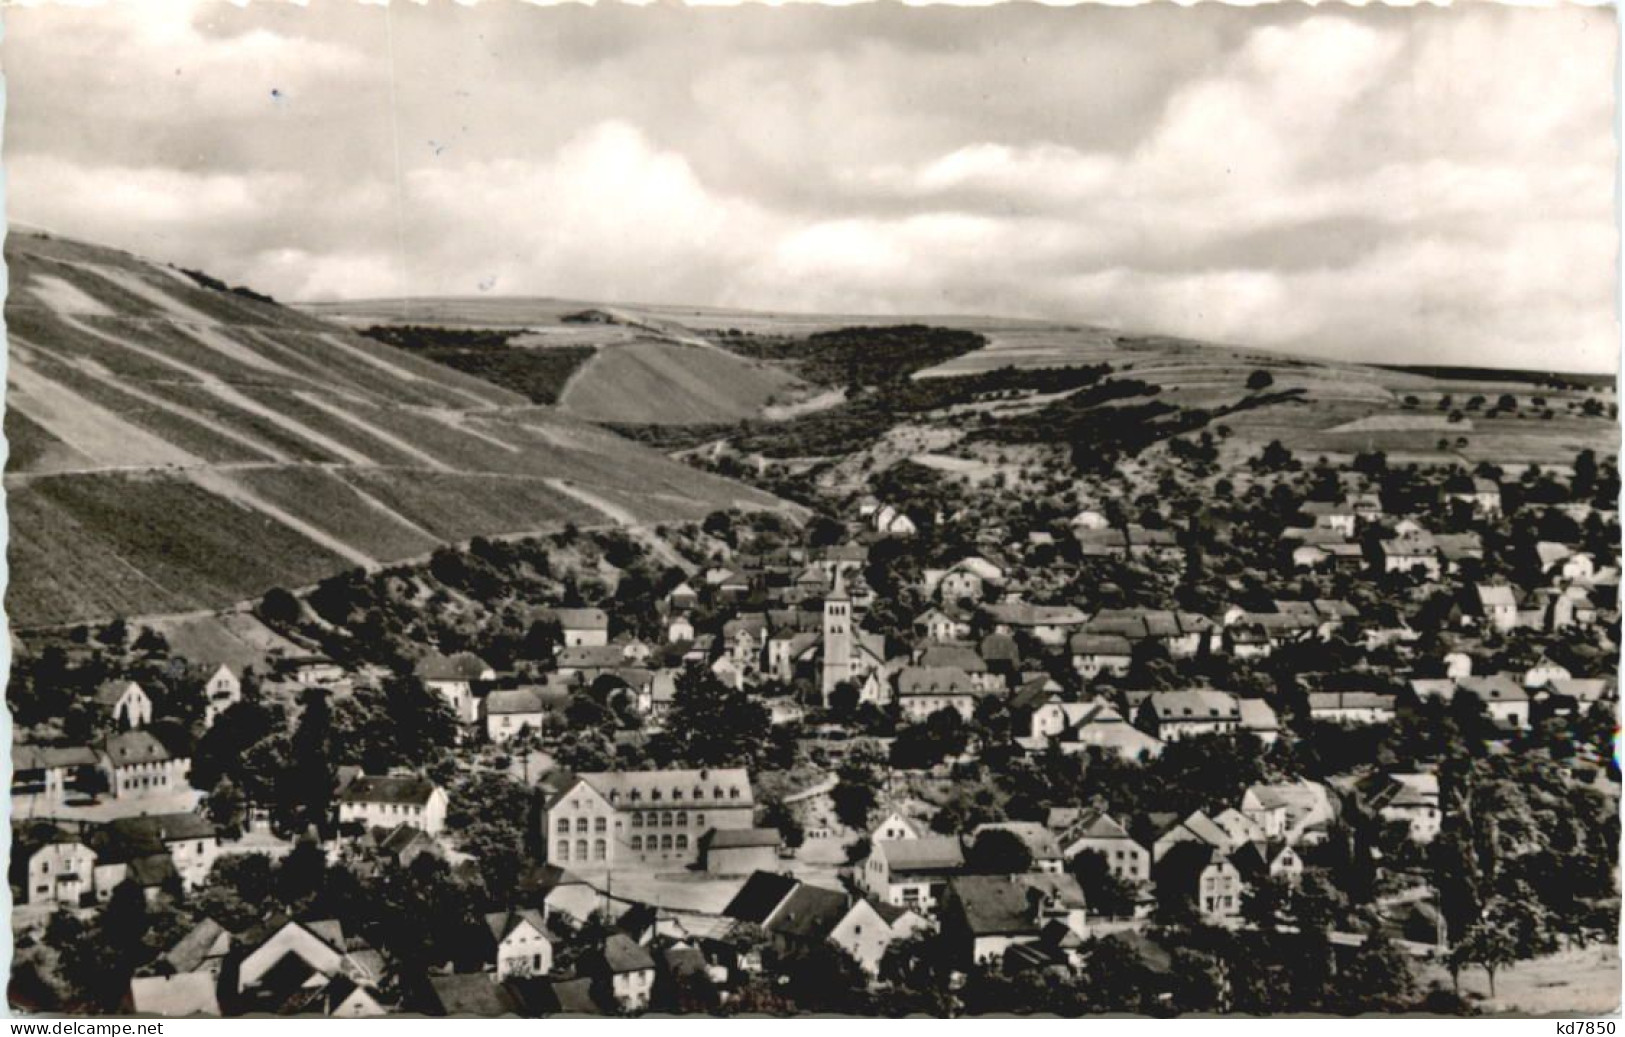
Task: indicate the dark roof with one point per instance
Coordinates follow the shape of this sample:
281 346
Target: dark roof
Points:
472 994
810 912
464 666
388 789
736 838
43 757
992 905
136 747
622 954
574 997
761 894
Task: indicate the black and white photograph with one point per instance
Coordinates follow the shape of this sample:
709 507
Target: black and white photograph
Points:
768 511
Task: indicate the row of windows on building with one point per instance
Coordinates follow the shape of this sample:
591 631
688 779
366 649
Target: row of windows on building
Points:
598 849
654 819
655 795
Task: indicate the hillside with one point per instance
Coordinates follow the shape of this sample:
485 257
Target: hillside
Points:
177 445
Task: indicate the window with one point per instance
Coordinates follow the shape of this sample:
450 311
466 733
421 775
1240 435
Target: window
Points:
581 849
600 825
564 849
637 844
682 819
581 826
600 849
665 842
682 842
637 819
699 793
676 794
654 795
733 793
699 820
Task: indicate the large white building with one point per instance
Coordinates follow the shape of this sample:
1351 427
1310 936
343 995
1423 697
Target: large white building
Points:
617 819
391 800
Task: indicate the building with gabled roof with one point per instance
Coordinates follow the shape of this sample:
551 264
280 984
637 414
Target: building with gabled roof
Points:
389 800
519 943
139 766
1172 715
125 703
611 819
910 872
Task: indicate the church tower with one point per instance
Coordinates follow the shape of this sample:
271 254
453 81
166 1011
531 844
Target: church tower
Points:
837 635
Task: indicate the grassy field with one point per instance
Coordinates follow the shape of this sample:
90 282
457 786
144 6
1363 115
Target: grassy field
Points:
664 383
178 445
1576 983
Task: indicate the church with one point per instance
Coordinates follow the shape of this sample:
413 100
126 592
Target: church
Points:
849 654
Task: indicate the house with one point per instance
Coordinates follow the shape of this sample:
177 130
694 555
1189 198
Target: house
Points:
1411 552
1351 707
1291 812
983 916
520 946
923 690
1047 624
627 969
285 955
470 994
1173 715
682 598
910 872
511 711
967 578
1340 517
50 772
1412 799
1197 828
1544 672
889 521
138 766
679 629
1097 654
390 800
941 625
1202 875
310 670
1259 720
190 840
1091 519
896 825
1096 831
1498 605
1503 696
455 679
125 704
1038 840
740 851
794 912
631 818
221 690
583 627
1484 495
184 980
557 893
61 872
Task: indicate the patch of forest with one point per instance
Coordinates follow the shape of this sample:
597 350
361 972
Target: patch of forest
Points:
859 357
487 353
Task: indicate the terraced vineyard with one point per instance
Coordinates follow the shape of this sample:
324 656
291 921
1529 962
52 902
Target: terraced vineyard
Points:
180 446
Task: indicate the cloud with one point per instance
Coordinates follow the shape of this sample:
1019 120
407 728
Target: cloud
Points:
1368 184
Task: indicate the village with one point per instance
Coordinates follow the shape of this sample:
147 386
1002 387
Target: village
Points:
1330 746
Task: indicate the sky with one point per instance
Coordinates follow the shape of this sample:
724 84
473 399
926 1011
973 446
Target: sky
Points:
1413 186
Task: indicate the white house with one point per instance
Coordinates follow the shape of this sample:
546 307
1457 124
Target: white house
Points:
522 946
390 800
126 703
136 766
510 711
583 628
910 872
61 873
220 692
453 678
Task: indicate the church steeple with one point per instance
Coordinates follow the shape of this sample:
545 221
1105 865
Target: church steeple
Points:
837 634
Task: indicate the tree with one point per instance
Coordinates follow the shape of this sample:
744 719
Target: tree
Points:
305 796
279 608
712 725
998 851
1260 379
777 815
1103 891
857 787
1486 945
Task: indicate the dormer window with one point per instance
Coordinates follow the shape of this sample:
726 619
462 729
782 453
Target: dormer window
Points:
654 794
